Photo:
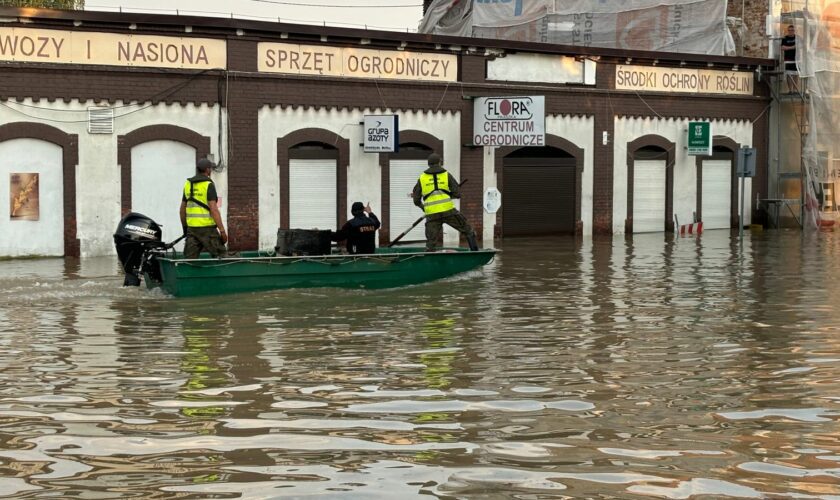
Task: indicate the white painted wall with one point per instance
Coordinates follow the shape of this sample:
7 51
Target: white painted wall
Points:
578 130
685 169
158 170
97 174
364 179
46 235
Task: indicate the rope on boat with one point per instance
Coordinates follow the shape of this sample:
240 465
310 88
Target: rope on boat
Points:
330 261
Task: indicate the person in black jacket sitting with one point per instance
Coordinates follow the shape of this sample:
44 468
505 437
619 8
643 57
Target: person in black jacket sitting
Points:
360 231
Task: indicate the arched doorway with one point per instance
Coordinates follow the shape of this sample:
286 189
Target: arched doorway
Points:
154 163
540 192
27 157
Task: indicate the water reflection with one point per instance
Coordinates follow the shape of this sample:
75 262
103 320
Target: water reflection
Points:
639 367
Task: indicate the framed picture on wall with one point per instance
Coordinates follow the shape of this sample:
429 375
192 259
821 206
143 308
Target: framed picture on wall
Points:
24 197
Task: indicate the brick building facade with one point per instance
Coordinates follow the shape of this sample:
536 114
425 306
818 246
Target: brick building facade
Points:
286 138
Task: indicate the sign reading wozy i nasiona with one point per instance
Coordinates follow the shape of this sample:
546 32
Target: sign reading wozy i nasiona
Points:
114 49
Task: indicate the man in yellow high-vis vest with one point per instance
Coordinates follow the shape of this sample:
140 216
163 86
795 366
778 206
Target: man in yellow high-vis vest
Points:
200 216
434 192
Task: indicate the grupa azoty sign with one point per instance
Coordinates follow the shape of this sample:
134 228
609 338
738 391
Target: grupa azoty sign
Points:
509 121
381 133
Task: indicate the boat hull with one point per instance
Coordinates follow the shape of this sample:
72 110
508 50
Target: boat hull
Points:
254 271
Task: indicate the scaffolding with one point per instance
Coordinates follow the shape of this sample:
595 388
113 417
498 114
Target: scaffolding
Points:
806 96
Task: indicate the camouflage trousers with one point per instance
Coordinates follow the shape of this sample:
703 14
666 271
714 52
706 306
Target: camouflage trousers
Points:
434 227
204 239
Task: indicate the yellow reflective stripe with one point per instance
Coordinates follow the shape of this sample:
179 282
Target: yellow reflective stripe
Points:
438 202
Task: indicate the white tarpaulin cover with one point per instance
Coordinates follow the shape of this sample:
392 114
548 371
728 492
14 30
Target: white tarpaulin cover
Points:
819 72
693 26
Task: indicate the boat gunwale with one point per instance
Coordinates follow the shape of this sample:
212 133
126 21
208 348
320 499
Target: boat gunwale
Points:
297 258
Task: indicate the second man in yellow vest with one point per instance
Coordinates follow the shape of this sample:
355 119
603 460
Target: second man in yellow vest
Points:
434 192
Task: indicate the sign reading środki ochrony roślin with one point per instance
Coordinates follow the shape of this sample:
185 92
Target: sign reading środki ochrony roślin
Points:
699 138
381 133
684 80
323 60
113 49
509 121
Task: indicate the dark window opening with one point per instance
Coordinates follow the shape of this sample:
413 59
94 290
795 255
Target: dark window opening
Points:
313 151
651 153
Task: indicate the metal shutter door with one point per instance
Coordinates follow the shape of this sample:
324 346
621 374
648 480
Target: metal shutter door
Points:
313 194
716 190
539 196
403 212
648 196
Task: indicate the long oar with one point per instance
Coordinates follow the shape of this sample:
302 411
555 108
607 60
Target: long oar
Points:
170 245
398 238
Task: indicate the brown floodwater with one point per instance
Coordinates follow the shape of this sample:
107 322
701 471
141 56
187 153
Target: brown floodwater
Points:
616 368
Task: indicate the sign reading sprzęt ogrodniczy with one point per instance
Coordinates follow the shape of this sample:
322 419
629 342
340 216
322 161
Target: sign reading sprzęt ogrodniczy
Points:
509 121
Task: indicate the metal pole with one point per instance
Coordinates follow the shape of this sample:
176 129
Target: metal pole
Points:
741 218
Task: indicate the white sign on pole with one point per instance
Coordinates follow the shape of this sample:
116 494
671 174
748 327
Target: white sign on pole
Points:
509 121
381 133
492 200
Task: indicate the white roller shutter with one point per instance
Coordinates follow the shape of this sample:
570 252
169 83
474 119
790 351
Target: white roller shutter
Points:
648 196
313 194
403 212
716 191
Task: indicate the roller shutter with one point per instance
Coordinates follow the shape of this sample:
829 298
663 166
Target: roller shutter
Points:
403 212
716 191
313 194
648 196
539 196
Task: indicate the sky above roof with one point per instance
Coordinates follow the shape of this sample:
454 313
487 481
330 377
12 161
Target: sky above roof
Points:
375 14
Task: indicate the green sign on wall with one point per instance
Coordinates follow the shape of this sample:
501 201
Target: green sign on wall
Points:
700 138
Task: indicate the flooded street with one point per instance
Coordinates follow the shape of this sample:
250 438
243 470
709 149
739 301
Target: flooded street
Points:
647 367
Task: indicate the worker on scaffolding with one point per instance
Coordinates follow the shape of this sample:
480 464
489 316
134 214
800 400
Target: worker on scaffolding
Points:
788 46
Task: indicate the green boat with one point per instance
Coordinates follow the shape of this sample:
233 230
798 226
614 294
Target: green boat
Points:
142 252
259 271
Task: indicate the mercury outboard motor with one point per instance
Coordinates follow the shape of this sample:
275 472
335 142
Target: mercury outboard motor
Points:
137 238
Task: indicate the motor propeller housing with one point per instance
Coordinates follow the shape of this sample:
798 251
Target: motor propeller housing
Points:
135 238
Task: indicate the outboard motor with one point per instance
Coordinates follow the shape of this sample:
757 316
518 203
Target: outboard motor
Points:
136 239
